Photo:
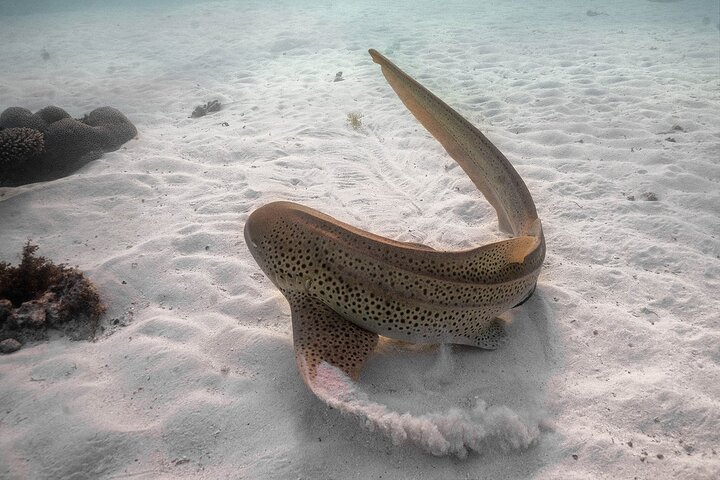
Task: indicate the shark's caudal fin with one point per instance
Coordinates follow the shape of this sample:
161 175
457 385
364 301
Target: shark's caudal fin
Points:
322 335
486 166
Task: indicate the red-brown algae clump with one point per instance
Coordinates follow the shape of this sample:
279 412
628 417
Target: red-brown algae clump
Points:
38 295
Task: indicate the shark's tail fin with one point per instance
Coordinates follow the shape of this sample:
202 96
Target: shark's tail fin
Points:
486 166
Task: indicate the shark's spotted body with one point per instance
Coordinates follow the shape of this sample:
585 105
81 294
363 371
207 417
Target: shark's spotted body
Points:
346 286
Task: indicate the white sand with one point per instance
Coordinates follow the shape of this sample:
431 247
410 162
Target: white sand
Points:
615 360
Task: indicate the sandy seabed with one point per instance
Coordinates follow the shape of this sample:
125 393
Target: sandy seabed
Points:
612 120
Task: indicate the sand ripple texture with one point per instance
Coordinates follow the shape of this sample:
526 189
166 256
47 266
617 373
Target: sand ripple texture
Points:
612 120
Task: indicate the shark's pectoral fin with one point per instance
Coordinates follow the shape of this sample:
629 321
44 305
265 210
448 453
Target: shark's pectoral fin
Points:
321 335
492 336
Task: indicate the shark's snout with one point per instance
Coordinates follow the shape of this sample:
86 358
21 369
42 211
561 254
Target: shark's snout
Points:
269 237
251 229
259 230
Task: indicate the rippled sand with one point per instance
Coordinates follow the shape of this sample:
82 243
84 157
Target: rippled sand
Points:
616 355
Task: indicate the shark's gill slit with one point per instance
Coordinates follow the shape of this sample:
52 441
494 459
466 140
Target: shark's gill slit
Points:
346 286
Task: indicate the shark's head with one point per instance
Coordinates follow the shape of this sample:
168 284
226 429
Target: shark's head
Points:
261 237
273 239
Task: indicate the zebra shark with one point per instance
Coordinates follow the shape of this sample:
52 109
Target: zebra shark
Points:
346 286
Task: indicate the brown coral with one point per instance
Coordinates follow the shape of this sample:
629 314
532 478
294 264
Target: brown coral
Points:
19 144
69 144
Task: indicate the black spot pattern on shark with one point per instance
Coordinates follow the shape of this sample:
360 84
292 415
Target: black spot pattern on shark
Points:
347 286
